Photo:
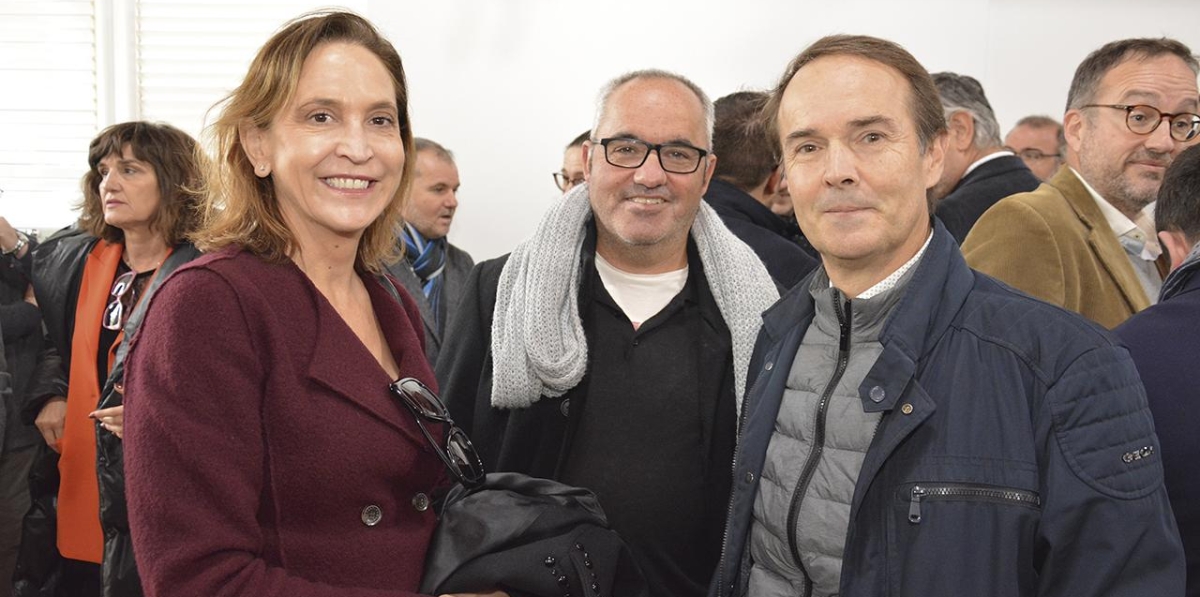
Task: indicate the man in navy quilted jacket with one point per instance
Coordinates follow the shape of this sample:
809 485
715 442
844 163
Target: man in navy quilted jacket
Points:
914 428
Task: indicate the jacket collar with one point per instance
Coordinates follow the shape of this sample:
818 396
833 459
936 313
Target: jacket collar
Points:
1101 238
403 272
57 269
993 167
1186 277
938 288
732 202
934 296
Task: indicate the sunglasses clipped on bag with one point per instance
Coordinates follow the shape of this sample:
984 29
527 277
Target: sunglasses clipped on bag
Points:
455 448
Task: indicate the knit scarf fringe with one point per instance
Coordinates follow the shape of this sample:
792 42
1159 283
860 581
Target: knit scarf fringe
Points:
538 344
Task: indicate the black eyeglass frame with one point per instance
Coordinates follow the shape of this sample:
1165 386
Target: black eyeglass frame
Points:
471 473
1035 153
561 181
652 147
1171 118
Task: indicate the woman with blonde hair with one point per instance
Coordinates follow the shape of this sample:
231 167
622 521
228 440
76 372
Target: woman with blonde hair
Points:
283 458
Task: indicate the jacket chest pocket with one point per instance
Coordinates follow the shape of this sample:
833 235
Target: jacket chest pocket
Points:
955 538
934 492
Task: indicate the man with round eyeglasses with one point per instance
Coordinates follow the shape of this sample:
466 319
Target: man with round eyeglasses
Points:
1084 239
609 351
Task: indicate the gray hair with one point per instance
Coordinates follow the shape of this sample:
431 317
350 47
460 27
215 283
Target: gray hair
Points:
608 89
578 141
422 144
1041 121
961 93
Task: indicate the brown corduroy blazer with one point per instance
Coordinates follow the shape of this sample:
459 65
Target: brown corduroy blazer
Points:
1055 244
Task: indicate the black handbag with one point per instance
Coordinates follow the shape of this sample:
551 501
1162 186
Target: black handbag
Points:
507 531
529 537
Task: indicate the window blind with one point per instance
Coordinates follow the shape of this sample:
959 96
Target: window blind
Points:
191 54
48 103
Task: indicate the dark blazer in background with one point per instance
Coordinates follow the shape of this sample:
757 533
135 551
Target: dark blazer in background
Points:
458 267
1163 343
980 189
766 233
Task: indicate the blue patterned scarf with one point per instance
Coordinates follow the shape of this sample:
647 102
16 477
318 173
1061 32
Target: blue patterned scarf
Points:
428 260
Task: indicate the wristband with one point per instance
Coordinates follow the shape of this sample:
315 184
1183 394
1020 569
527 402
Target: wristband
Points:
21 240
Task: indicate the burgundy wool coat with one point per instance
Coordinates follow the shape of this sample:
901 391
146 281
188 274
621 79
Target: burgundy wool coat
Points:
264 453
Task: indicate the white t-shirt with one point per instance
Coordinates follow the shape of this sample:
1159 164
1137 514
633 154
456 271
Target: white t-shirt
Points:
640 296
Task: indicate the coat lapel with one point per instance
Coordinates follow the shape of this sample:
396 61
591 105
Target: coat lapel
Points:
1101 238
403 272
343 365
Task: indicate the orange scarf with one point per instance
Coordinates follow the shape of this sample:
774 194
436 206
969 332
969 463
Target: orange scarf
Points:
79 534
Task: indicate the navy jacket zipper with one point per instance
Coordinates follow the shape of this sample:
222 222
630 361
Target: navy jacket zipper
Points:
733 485
814 457
921 492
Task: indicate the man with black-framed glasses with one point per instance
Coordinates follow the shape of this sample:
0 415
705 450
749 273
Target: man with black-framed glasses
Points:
571 173
1084 239
1039 142
609 351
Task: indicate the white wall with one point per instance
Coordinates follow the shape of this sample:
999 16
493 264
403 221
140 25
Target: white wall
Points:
505 84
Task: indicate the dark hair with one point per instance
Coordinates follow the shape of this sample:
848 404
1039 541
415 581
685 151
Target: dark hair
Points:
242 209
965 93
1178 207
578 141
746 154
1086 82
422 144
177 165
924 103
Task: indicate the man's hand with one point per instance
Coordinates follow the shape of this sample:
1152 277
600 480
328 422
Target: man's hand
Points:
112 419
30 297
50 421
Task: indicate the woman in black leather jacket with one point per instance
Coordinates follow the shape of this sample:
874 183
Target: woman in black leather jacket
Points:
92 281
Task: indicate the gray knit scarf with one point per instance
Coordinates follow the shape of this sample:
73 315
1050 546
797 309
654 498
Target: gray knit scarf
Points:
538 345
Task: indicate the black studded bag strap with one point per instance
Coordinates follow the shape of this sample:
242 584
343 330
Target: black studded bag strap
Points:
388 285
